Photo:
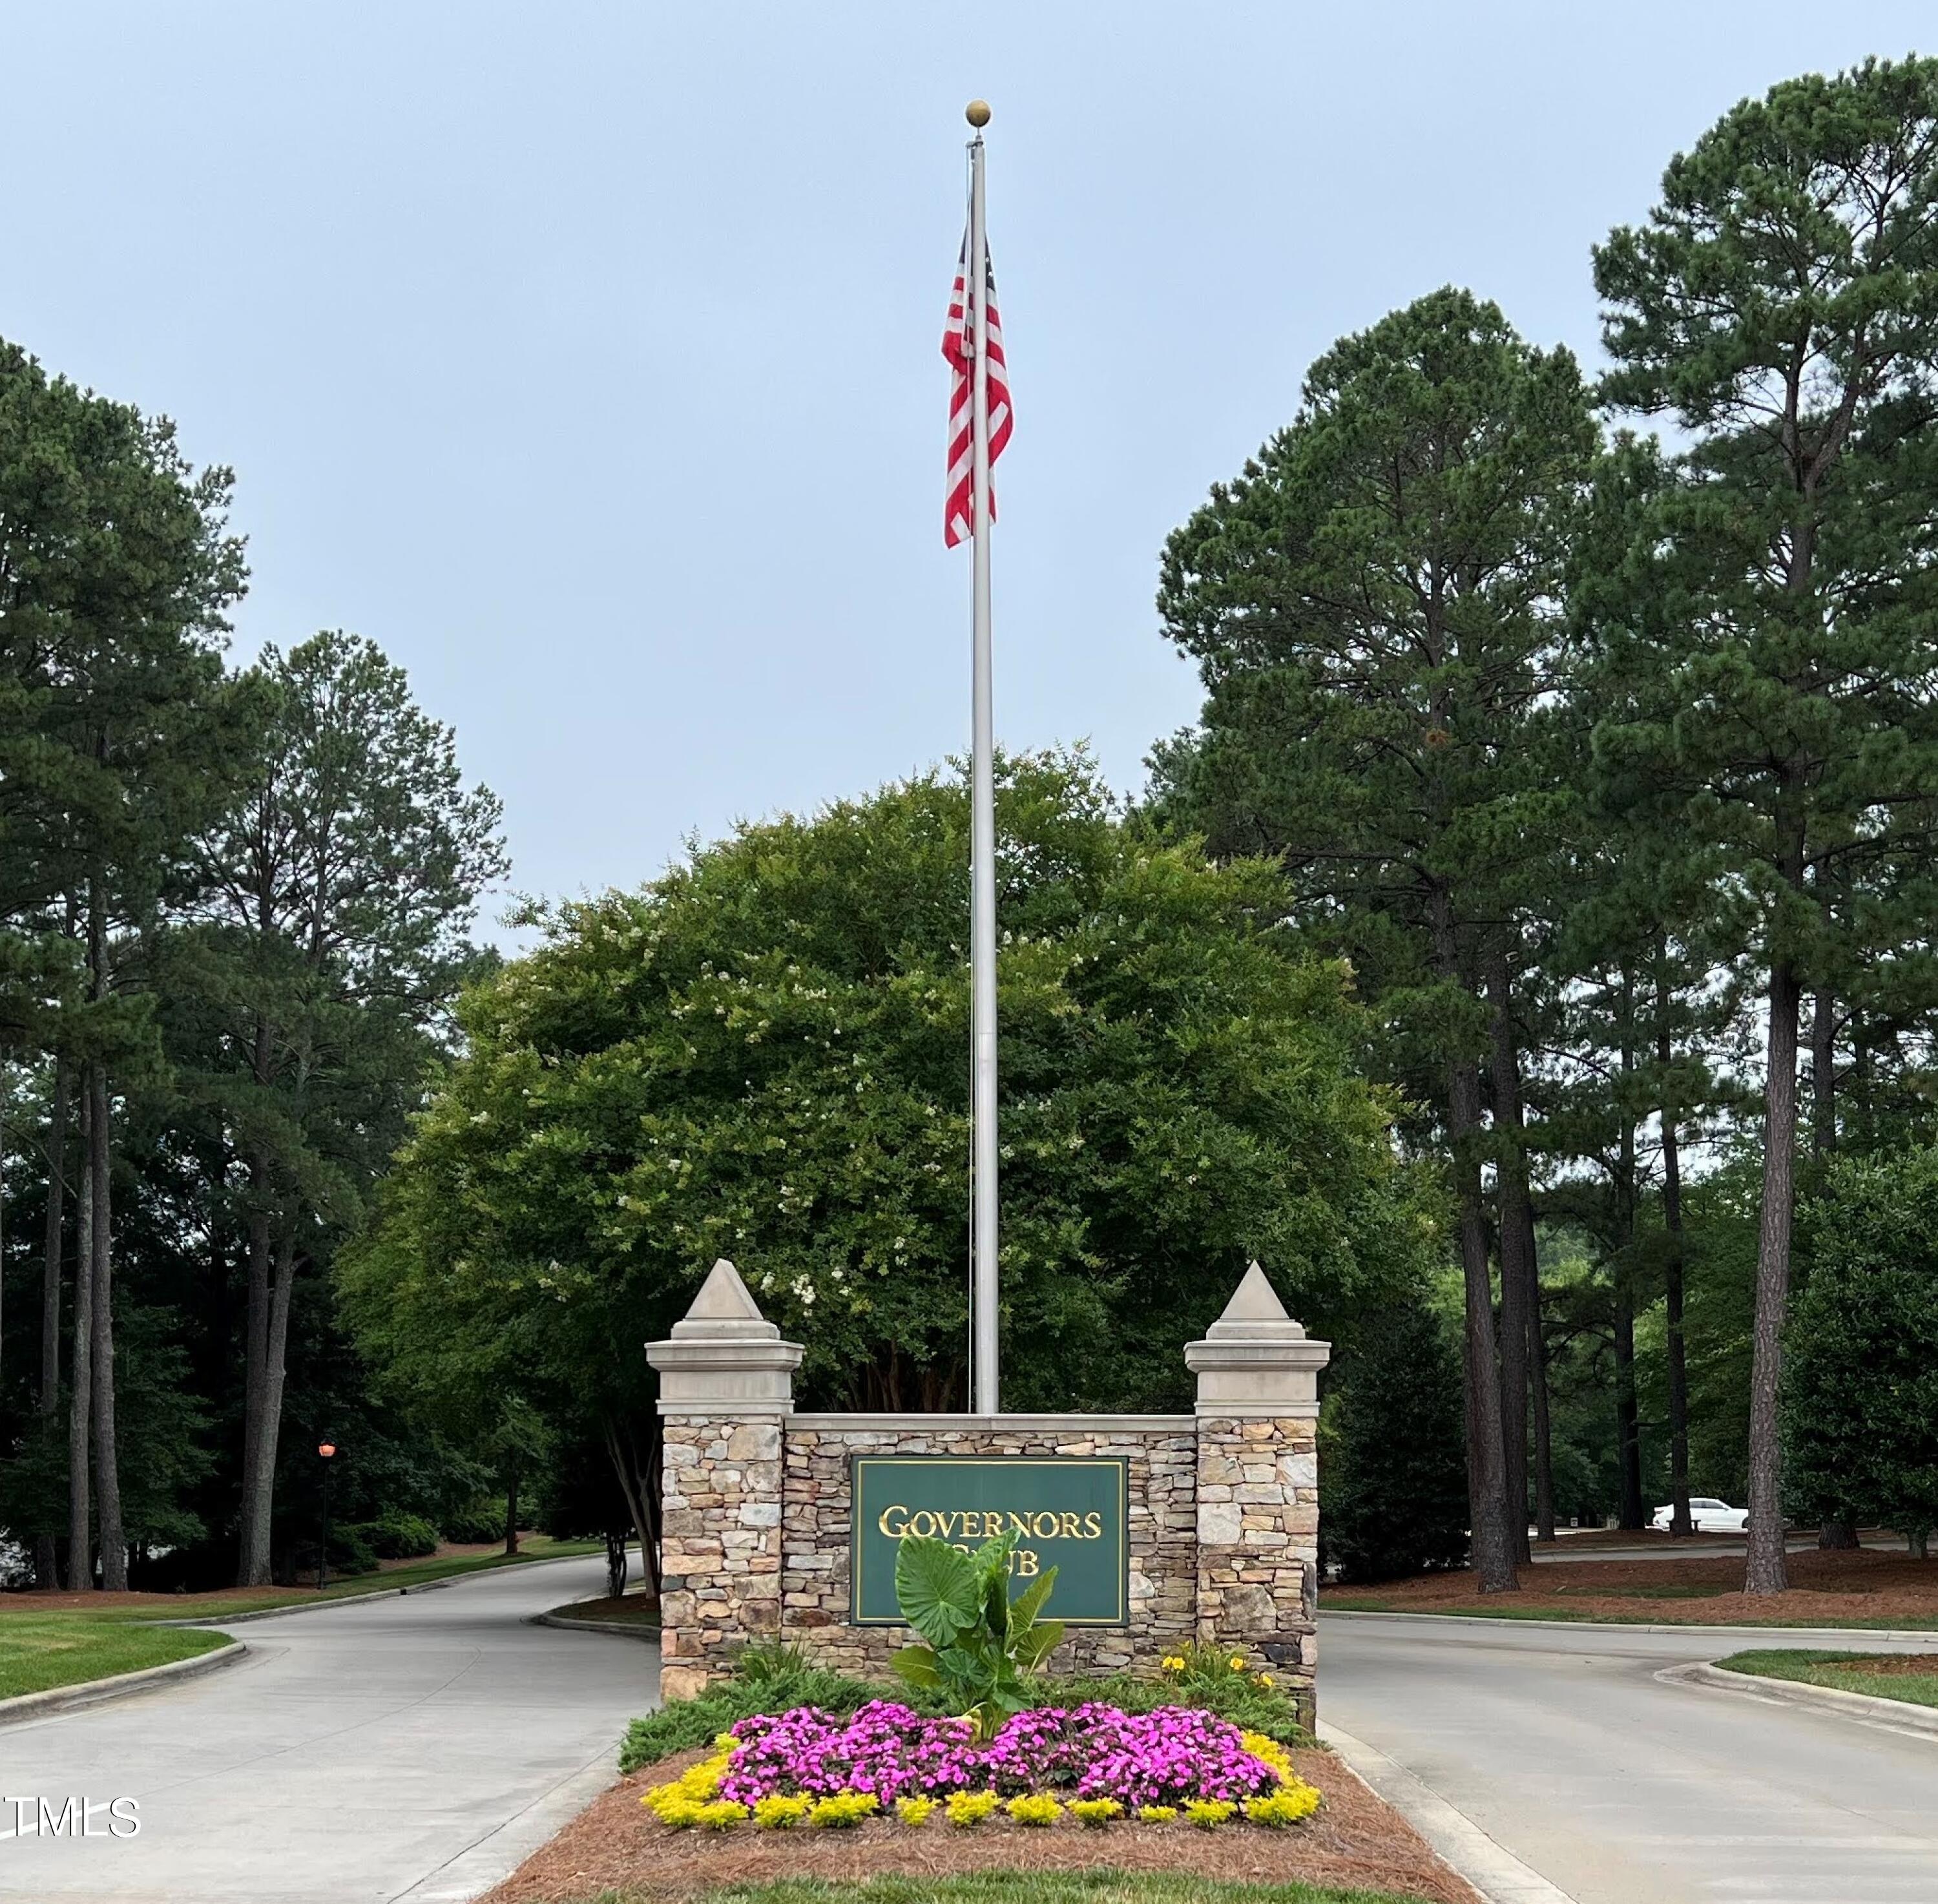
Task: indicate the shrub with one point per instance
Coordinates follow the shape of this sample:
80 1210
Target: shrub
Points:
1208 1813
400 1537
970 1807
843 1809
775 1813
1392 1472
1034 1809
482 1521
915 1810
1096 1811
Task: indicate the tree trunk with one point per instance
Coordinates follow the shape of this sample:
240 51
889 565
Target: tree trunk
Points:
1680 1522
1628 1430
81 1389
1839 1533
1823 1074
45 1575
107 1470
511 1511
635 1486
1917 1543
1768 1570
1518 1271
259 1481
255 1367
1494 1555
1537 1357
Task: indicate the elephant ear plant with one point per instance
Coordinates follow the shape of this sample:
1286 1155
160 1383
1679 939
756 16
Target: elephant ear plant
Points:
981 1644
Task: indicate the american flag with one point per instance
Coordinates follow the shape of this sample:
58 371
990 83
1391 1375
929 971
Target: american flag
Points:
958 346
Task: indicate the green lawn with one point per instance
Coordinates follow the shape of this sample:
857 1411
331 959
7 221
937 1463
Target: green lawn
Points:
1033 1887
1848 1672
38 1654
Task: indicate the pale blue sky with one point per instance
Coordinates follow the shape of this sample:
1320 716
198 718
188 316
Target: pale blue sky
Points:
585 356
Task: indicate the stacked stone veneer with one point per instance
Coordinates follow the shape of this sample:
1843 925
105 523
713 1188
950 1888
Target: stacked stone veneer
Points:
1223 1504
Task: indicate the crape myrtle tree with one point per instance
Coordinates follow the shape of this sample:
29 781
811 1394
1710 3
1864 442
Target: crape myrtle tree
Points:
1781 303
1374 605
1861 1380
763 1056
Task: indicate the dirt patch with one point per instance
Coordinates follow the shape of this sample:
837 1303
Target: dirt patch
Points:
1356 1841
1829 1587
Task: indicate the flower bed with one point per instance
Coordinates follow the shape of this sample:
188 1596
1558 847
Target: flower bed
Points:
1094 1761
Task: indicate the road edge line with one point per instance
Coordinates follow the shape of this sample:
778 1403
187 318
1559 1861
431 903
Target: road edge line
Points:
117 1685
1482 1861
1899 1714
1496 1622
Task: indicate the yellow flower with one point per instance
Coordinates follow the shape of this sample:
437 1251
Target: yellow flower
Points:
776 1812
1266 1679
1035 1809
1238 1662
1262 1747
1293 1800
843 1809
1157 1814
1171 1664
1208 1813
1095 1810
914 1811
970 1807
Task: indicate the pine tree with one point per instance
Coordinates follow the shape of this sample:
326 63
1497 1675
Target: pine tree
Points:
1375 604
1781 302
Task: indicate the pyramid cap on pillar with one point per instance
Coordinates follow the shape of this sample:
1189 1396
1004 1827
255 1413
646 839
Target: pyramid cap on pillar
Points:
723 1356
1255 1314
1255 1360
725 1307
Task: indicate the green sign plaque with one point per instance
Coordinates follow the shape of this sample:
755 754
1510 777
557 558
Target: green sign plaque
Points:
1069 1512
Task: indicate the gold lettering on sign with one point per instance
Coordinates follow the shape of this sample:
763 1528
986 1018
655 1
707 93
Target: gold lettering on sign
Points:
896 1523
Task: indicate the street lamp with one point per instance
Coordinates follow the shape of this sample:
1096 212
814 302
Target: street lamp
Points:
327 1450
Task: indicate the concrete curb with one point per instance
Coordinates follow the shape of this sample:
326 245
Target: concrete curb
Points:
121 1685
1484 1862
632 1629
1769 1635
361 1599
1899 1714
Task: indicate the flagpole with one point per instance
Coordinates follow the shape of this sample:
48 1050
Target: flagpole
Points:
983 1364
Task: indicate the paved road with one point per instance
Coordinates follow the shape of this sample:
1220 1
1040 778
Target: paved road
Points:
1562 1745
416 1747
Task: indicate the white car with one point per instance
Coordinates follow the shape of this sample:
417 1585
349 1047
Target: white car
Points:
1708 1517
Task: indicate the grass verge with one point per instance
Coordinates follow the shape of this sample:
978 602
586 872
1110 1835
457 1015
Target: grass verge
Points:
1913 1680
1026 1887
1585 1616
37 1655
1042 1887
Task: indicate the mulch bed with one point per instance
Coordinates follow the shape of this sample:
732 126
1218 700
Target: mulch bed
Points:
1829 1587
1895 1665
1356 1842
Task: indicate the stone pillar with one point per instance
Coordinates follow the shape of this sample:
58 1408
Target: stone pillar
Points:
1258 1485
726 1386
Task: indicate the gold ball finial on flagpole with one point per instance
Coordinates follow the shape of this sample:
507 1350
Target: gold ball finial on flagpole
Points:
977 113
